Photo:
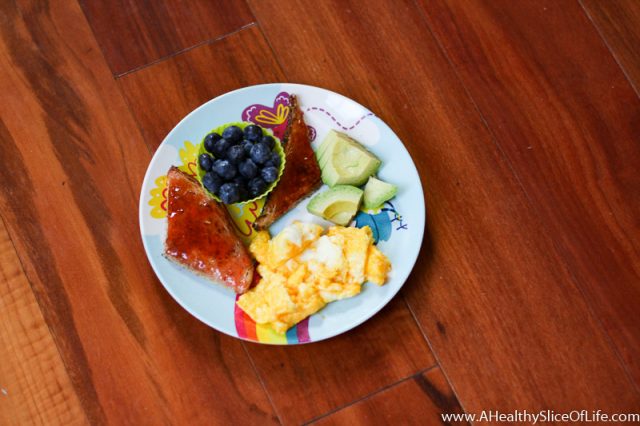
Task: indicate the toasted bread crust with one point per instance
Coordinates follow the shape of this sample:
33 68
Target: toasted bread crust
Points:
201 235
301 175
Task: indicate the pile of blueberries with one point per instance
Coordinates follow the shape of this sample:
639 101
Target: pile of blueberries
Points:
239 165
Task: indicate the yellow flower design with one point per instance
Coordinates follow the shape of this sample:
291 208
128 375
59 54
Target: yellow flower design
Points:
267 117
158 200
189 157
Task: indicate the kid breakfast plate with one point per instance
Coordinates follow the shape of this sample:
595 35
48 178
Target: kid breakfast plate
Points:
398 226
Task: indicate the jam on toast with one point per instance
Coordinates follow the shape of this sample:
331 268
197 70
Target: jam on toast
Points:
201 235
301 174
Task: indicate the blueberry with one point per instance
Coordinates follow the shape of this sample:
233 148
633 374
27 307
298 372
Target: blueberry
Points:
212 182
275 159
233 134
205 160
247 146
252 133
210 140
224 169
230 193
260 153
235 154
244 193
268 141
242 187
248 168
269 174
257 186
220 147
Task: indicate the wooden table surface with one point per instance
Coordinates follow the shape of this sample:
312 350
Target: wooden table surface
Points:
523 119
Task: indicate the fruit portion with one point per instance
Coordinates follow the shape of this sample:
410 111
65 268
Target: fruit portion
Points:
239 162
344 161
377 192
338 204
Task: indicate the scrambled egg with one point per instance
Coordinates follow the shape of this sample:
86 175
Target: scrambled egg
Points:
302 270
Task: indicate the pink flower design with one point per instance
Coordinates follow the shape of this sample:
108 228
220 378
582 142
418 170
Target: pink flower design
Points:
275 117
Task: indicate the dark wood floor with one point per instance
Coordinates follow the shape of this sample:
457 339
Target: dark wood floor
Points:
523 118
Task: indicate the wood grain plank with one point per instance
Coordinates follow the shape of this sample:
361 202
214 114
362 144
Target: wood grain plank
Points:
187 80
133 355
133 33
418 400
618 21
34 385
494 295
303 381
569 122
309 380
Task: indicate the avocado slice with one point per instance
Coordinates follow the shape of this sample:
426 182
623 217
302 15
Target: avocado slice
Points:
376 192
328 141
327 145
323 146
338 204
322 159
344 161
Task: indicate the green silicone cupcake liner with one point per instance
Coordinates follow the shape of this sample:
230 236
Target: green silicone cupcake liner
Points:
277 148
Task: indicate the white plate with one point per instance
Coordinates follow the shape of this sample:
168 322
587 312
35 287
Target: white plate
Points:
399 226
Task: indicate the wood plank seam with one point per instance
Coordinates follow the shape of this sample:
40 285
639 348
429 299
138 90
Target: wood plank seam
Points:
174 54
428 247
22 269
606 43
3 223
264 387
556 245
435 355
369 395
273 52
90 404
132 33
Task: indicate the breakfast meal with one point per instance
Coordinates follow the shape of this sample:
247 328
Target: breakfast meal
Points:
240 162
201 237
305 266
300 177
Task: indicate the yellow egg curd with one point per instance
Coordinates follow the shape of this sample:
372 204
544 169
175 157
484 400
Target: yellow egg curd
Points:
303 268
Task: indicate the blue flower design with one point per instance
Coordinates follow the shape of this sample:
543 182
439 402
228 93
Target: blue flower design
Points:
381 223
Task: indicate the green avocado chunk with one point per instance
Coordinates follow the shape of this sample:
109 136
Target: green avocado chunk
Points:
338 204
376 192
344 161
